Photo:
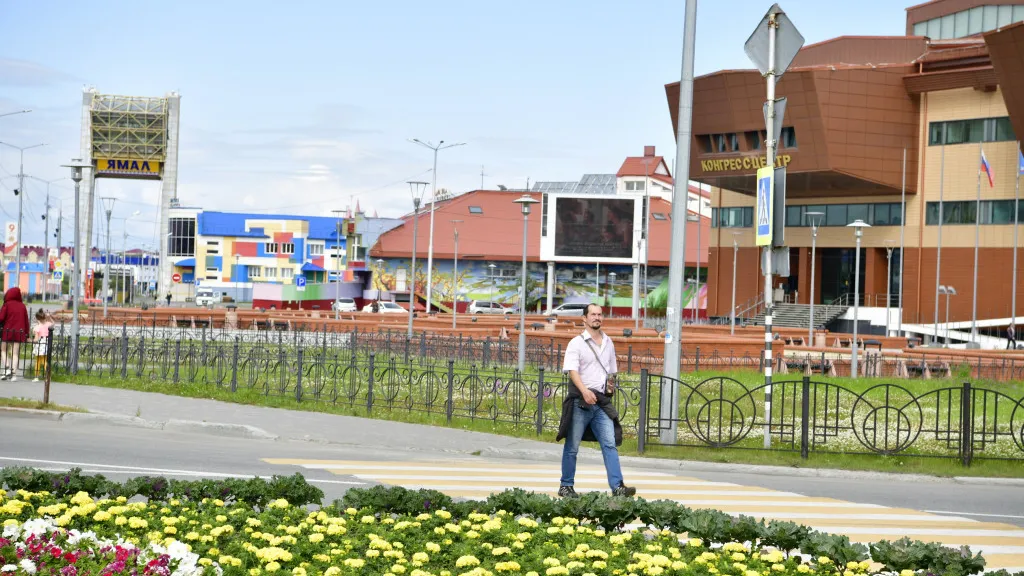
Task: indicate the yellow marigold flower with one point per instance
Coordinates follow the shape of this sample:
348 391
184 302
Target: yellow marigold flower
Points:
753 573
367 519
120 521
81 498
136 522
192 536
421 557
778 568
299 571
738 556
507 566
734 547
254 571
848 573
170 530
865 565
549 561
354 562
272 567
472 534
279 503
432 547
332 571
599 565
372 553
557 571
501 550
804 569
464 561
443 514
679 566
101 516
205 562
397 569
574 565
316 537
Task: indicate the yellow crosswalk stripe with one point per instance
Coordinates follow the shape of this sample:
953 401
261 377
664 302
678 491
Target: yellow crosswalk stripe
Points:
861 522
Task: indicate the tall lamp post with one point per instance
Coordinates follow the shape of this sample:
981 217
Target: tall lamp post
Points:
416 188
524 202
76 166
433 197
735 253
814 218
20 192
108 206
859 226
947 291
337 263
46 233
491 267
888 283
455 274
609 292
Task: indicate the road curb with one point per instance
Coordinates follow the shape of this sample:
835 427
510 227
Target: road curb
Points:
173 425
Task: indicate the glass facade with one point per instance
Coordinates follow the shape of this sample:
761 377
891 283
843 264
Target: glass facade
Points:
999 212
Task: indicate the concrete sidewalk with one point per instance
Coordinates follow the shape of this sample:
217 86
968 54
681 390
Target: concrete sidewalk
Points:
160 411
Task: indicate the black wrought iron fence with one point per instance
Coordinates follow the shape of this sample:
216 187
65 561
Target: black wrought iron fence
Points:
960 421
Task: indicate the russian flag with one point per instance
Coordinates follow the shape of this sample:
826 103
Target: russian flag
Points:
987 169
1020 162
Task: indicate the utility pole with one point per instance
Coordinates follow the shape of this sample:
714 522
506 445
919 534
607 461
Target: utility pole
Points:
20 192
108 206
60 224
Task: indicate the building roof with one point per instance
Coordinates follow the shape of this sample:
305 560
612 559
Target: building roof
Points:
233 224
647 166
496 232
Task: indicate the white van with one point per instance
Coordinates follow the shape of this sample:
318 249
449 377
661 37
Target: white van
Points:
207 297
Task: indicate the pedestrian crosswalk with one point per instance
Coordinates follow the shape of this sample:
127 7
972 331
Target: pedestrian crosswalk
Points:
1001 544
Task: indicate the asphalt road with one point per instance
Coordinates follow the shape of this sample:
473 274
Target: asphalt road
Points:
120 452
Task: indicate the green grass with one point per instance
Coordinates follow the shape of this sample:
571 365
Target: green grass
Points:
908 463
37 405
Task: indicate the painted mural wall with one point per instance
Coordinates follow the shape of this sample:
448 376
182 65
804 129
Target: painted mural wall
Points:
477 280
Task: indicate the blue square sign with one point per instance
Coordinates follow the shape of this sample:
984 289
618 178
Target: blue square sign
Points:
763 210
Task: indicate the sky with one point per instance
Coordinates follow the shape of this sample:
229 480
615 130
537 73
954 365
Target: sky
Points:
308 106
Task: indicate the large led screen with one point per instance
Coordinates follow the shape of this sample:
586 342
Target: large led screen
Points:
594 227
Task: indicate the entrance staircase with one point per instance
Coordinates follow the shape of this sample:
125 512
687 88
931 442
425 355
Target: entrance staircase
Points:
799 315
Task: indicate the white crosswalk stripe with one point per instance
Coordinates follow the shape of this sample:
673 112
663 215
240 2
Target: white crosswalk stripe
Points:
1001 544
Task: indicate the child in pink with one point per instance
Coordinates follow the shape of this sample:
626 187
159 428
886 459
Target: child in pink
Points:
40 335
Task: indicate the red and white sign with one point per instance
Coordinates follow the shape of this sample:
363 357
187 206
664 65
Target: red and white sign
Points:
176 278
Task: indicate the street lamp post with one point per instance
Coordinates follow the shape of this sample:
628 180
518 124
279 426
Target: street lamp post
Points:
108 206
21 201
858 225
609 292
524 202
491 267
46 233
433 198
947 291
76 175
815 220
888 283
455 274
237 294
416 188
337 263
735 253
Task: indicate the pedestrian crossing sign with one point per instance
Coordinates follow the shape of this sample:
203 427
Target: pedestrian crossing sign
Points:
765 200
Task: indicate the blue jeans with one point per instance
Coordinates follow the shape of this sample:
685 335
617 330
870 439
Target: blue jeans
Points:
604 431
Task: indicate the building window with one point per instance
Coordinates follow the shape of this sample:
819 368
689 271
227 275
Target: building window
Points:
254 271
579 275
287 273
287 248
971 131
659 216
881 214
509 272
788 138
270 248
633 186
316 249
969 22
739 217
998 212
476 210
755 139
270 272
182 241
544 215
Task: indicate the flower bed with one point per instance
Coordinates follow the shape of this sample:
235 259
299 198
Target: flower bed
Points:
400 532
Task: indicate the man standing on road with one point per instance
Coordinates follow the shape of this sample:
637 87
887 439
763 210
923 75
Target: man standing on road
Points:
587 411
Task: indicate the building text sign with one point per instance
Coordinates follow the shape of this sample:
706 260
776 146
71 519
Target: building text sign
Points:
744 163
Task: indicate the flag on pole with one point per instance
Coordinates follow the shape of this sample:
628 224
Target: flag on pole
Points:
1020 162
987 169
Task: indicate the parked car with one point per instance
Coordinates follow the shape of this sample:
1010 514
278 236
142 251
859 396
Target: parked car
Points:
567 310
386 308
344 305
480 307
207 297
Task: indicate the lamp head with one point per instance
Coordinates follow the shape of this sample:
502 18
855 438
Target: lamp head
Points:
524 202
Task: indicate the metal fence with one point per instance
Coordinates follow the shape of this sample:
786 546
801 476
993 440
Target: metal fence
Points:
959 421
375 375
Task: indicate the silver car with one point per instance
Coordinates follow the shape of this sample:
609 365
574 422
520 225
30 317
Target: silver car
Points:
480 307
568 310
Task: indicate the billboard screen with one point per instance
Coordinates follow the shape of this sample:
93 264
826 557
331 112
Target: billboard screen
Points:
594 227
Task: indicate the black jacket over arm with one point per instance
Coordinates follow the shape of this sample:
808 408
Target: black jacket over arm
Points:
603 402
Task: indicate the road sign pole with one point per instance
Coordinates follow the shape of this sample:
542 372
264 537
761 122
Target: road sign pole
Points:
776 37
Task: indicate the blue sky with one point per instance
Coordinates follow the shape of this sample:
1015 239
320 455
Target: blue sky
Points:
305 106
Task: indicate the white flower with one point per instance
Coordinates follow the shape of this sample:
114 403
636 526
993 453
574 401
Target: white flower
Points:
74 537
12 532
28 566
38 526
8 568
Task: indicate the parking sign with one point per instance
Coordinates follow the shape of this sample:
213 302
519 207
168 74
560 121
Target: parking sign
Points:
300 283
765 200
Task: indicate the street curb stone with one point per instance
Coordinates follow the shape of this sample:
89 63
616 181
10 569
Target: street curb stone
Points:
219 429
31 413
172 425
